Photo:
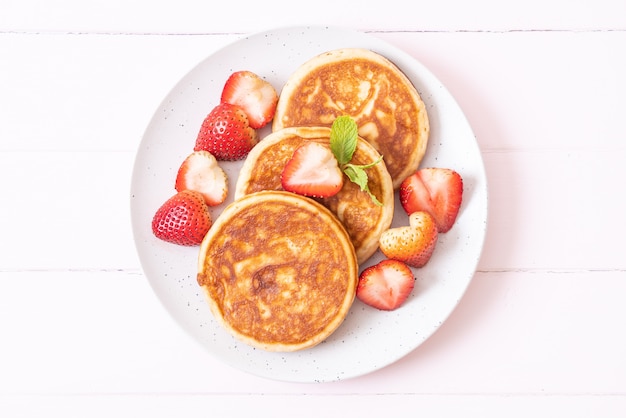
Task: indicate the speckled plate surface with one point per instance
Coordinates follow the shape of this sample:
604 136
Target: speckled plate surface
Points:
369 339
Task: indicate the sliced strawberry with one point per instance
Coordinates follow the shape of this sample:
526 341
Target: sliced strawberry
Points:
386 285
438 191
201 172
257 97
184 219
312 171
413 244
226 133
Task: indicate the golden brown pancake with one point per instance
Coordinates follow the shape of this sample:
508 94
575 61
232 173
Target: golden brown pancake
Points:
362 218
365 85
278 270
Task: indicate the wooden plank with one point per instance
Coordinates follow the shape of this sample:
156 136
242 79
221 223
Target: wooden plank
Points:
547 210
555 209
263 405
104 100
531 90
514 333
89 92
68 210
189 16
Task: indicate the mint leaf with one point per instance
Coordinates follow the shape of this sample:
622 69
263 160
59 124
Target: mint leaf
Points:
343 138
372 164
374 199
357 175
343 142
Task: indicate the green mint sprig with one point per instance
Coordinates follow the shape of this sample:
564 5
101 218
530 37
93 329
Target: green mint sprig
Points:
343 141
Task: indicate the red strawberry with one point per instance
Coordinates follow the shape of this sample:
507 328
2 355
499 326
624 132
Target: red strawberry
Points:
386 285
226 133
184 219
254 95
201 172
312 171
413 244
438 191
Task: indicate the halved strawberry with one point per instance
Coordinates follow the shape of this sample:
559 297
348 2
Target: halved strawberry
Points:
312 171
226 133
257 97
438 191
386 285
201 172
184 219
413 244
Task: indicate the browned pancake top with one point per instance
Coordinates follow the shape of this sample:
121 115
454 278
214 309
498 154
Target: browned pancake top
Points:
280 273
387 108
364 221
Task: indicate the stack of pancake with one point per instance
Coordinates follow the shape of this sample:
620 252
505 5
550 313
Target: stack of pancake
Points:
280 270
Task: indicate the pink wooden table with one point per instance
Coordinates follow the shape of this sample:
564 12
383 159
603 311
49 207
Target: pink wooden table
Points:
541 328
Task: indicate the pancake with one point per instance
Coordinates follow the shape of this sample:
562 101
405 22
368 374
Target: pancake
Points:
365 85
279 271
363 219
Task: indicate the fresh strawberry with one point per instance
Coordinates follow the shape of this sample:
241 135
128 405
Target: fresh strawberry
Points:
414 244
438 191
257 97
386 285
184 219
312 171
201 172
226 133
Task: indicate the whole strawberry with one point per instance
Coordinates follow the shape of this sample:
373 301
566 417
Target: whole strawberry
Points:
184 219
226 133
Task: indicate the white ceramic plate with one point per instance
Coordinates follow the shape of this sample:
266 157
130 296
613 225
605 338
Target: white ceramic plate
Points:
369 339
